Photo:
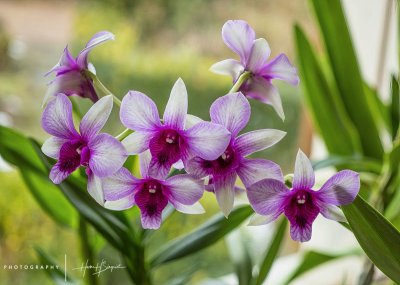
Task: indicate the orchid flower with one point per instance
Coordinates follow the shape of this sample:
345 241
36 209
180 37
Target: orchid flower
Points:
254 53
71 77
169 142
101 154
152 194
301 205
233 112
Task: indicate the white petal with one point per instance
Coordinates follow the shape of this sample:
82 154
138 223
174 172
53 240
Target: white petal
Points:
97 116
176 109
303 172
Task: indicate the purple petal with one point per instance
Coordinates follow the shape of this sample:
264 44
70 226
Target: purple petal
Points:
280 68
183 189
179 165
239 37
95 188
197 167
192 120
261 89
97 39
107 155
260 52
332 212
225 192
176 109
138 112
254 141
228 67
207 140
137 142
57 118
232 111
121 204
268 197
66 62
194 209
144 160
97 116
251 171
52 146
340 189
69 161
301 234
151 206
303 172
119 185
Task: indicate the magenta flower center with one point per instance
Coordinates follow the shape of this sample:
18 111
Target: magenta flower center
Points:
171 137
152 187
73 154
301 209
226 158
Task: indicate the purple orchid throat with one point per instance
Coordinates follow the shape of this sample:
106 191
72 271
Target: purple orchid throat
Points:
233 112
152 194
254 54
71 77
101 154
301 205
169 142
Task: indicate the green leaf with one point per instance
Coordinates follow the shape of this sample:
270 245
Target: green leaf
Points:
347 74
272 252
326 108
312 259
202 237
356 163
378 238
395 108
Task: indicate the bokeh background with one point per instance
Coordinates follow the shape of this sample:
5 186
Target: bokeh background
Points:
157 42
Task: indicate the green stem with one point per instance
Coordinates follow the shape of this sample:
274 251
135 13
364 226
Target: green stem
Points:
243 77
87 252
124 134
102 87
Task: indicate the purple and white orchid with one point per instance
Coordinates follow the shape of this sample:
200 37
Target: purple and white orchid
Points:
301 205
101 154
152 194
254 53
233 112
169 142
70 72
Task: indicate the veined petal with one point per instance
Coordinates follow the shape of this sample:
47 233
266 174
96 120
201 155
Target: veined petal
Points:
192 120
95 188
57 118
144 160
239 37
303 172
301 234
52 146
183 189
224 188
228 67
194 209
121 204
57 174
332 212
254 141
268 197
280 68
260 52
68 161
138 112
107 155
232 111
176 109
119 185
207 140
137 142
151 207
340 189
254 170
66 62
97 39
262 89
196 167
97 116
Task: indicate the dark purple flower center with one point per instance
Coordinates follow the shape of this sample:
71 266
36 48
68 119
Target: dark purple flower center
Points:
166 147
150 198
223 164
226 159
301 209
72 155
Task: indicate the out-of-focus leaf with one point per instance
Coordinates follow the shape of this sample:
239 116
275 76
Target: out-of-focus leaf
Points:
347 74
17 150
239 255
395 108
360 164
56 274
272 252
185 275
312 259
326 108
202 237
377 236
391 192
381 111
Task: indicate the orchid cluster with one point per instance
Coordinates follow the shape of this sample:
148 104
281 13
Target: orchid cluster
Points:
212 154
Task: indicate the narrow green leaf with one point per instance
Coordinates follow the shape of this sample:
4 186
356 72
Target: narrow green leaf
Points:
378 238
326 108
202 237
312 259
360 164
272 252
395 107
347 74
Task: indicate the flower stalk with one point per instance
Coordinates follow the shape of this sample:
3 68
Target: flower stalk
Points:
242 79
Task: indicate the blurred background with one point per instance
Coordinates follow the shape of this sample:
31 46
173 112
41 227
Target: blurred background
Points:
157 42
